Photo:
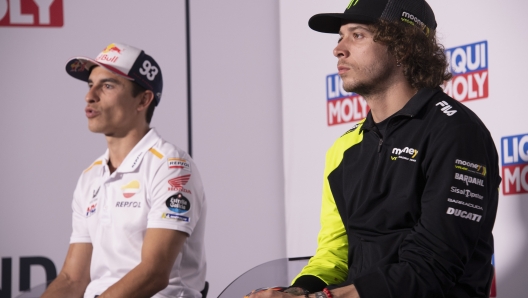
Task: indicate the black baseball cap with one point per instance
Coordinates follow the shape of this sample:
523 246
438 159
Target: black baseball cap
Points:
124 60
413 12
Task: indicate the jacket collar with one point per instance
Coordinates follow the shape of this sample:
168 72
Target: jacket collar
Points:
135 156
411 108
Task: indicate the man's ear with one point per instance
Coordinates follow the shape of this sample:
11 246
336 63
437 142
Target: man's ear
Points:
146 98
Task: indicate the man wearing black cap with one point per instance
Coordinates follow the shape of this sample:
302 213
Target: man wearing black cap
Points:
139 209
410 193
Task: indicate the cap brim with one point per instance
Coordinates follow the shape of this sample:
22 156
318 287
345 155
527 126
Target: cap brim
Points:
79 68
332 22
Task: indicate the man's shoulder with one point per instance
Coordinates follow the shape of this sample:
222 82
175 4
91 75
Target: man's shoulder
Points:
447 112
163 151
97 163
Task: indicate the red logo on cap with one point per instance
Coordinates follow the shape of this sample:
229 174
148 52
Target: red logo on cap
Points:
112 48
78 66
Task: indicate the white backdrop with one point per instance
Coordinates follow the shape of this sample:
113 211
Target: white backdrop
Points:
471 30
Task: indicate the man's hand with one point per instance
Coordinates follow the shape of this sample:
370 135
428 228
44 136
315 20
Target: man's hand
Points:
271 294
345 292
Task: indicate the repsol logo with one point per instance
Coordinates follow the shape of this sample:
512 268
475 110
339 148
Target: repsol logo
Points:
469 180
413 18
127 204
464 214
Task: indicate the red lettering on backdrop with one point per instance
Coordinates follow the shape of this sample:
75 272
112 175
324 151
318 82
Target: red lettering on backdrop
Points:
31 13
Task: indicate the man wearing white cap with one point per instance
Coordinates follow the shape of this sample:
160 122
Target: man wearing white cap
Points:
410 193
139 209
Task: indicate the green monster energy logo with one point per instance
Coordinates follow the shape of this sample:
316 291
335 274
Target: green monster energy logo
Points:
352 3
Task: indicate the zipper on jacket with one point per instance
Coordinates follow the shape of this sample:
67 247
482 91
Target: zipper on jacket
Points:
379 145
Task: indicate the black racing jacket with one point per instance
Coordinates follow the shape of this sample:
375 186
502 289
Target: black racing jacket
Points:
417 204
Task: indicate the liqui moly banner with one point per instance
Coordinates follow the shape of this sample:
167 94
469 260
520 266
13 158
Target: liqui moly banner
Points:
469 66
342 106
515 164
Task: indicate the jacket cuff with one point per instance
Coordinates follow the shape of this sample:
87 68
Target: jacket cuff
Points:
310 283
372 285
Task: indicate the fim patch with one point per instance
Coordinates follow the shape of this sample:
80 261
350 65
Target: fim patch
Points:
178 203
176 217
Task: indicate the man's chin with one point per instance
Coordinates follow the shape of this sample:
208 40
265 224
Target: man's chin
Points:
95 129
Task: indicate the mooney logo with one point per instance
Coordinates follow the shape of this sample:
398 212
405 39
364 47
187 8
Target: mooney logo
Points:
398 152
130 189
36 13
408 16
515 164
469 66
470 167
342 106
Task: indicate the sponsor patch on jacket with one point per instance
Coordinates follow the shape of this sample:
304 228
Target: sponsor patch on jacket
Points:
130 189
463 214
176 184
467 193
446 108
175 217
478 207
469 180
178 163
406 153
128 204
178 203
468 166
91 210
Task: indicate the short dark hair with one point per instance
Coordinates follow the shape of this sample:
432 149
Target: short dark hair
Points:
136 90
422 58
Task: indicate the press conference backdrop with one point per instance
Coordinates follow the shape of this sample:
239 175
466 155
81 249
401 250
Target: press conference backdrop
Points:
485 43
45 142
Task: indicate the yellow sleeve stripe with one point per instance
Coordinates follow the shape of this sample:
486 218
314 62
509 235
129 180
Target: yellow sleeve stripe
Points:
99 162
156 152
330 262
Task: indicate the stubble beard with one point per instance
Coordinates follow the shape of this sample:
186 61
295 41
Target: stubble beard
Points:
370 81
